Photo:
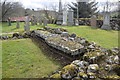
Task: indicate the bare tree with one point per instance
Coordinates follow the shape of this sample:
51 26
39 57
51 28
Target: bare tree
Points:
10 8
50 14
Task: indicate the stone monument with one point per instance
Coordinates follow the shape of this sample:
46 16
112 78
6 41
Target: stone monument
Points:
60 14
64 16
70 17
40 22
9 22
106 21
45 22
93 21
27 26
17 25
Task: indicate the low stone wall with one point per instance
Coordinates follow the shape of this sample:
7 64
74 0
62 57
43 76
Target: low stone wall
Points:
70 44
15 36
115 24
61 43
95 62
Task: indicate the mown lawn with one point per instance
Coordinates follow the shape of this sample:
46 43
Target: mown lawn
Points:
106 39
8 29
23 59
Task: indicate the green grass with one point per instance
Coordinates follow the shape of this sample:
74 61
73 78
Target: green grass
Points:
23 59
8 29
107 39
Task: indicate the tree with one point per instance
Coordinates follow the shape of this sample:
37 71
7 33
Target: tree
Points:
11 9
85 9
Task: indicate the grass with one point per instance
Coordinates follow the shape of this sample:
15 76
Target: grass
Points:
8 29
23 59
107 39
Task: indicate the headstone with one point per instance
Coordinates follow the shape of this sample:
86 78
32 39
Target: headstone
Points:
27 26
93 21
76 22
17 25
45 22
60 14
32 21
40 22
70 17
64 16
106 22
9 22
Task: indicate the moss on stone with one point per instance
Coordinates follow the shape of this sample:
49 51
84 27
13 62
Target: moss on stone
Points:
66 43
57 75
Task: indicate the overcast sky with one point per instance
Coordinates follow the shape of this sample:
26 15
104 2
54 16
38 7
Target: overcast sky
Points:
34 4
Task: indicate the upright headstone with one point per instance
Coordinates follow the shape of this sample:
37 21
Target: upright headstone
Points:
9 22
93 21
106 21
70 17
45 22
60 14
17 25
32 21
64 16
40 22
27 26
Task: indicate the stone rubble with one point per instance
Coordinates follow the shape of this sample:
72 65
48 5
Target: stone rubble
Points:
95 62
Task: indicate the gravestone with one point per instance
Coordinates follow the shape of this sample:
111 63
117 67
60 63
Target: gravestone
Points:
17 25
40 22
64 16
9 22
32 21
93 21
106 22
76 22
60 14
45 22
27 26
70 17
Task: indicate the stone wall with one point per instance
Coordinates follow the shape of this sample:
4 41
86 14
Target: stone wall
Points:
115 24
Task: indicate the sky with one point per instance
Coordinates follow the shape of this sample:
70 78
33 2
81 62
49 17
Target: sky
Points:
35 4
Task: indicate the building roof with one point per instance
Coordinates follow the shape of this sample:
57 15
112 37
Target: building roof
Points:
17 18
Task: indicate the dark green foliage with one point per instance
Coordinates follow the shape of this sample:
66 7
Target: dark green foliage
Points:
85 9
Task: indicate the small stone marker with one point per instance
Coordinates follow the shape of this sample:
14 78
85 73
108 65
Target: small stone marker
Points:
45 22
40 22
27 27
17 25
106 21
70 17
93 21
9 22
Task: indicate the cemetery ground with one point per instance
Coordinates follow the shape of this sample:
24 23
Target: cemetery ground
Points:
106 39
15 52
23 59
